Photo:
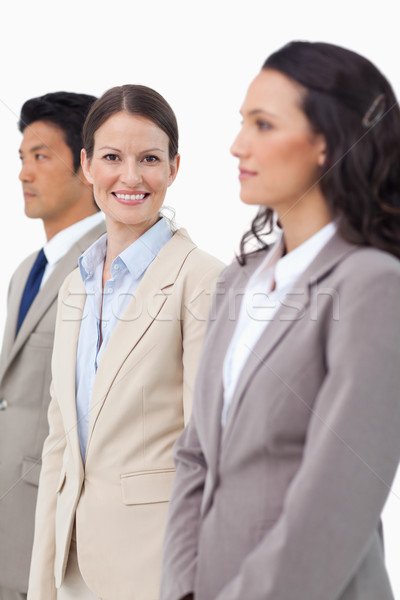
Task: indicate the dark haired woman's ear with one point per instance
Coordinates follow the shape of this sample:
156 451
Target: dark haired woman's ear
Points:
322 151
322 159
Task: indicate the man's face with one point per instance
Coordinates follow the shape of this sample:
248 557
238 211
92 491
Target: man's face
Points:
51 188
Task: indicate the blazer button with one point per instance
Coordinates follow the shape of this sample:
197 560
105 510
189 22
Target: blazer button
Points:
3 404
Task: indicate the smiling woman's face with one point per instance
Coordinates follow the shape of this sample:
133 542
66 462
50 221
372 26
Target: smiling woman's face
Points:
280 156
130 170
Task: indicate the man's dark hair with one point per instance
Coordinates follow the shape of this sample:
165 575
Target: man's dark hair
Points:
66 110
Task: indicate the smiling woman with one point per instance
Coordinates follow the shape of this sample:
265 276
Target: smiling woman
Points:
131 171
129 330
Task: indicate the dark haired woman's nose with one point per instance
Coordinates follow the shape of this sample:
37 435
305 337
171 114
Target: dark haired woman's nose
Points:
237 148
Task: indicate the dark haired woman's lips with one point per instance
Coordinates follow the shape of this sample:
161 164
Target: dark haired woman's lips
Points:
245 174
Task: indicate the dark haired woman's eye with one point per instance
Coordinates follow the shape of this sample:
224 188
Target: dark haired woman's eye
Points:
263 125
111 157
150 159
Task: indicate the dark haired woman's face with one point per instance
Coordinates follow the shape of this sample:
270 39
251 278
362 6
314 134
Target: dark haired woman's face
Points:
280 157
130 170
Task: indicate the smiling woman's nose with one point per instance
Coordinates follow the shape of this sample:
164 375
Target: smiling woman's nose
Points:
131 174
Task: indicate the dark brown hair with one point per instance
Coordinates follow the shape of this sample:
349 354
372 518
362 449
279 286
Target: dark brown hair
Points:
136 100
349 102
67 110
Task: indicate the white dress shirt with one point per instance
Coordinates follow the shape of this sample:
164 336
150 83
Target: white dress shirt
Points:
127 270
63 241
262 300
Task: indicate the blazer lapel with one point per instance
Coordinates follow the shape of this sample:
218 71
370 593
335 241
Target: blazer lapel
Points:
48 293
142 310
18 284
292 310
64 363
210 375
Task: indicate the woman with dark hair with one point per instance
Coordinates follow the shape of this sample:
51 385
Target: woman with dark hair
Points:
129 329
288 459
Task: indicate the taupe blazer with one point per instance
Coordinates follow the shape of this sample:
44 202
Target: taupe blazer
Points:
25 374
141 399
284 503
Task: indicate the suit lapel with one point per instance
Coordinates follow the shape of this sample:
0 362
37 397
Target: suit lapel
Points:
141 312
292 310
17 288
69 319
210 376
47 295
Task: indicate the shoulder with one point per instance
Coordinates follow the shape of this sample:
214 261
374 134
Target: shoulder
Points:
20 274
72 282
237 273
363 288
203 261
367 265
197 262
90 236
26 264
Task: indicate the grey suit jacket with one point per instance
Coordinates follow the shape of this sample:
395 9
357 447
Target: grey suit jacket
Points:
285 502
25 374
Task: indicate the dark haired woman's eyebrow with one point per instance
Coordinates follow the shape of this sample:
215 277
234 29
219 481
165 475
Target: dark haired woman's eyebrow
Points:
260 111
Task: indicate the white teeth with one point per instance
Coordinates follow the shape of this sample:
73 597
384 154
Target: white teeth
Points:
130 197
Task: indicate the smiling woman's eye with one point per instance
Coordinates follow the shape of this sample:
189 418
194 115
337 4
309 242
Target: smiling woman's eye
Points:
111 157
150 159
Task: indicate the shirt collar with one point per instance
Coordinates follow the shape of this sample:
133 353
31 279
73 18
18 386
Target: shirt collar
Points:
290 266
63 241
136 258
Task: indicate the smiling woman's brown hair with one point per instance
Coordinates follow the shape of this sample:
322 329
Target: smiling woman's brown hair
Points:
353 106
137 100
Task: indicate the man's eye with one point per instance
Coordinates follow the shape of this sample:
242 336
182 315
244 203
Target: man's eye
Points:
39 156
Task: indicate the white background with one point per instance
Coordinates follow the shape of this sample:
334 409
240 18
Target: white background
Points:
201 56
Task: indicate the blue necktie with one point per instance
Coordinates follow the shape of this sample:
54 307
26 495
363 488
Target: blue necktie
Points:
32 286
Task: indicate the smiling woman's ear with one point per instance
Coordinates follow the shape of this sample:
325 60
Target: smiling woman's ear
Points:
85 164
174 168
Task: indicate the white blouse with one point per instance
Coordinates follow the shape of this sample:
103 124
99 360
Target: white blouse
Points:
261 301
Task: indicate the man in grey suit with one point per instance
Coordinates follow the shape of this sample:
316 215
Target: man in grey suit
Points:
55 191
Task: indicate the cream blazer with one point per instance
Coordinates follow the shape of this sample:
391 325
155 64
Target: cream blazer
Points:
141 400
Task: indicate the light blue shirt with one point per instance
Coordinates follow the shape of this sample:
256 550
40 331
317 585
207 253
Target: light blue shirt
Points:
127 270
